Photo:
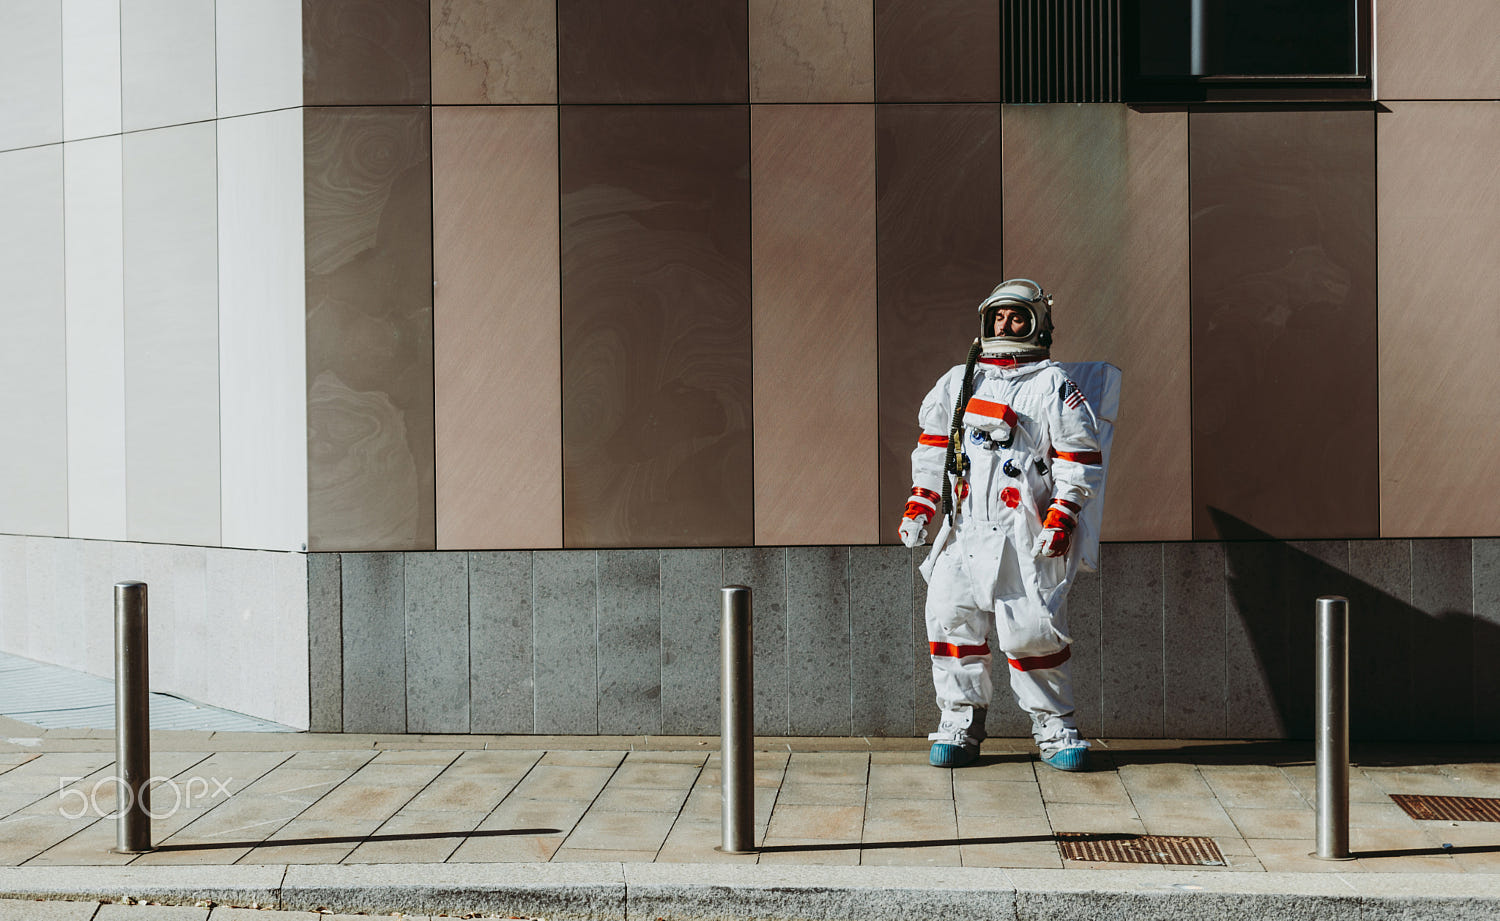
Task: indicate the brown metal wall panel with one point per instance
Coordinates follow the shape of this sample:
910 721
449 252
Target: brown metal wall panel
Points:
1439 270
937 51
495 327
359 52
813 239
656 326
1096 211
812 51
653 51
1283 318
368 200
938 221
485 52
1437 49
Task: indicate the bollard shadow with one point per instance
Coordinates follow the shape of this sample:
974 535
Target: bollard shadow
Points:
356 839
936 842
1430 851
1411 671
1283 753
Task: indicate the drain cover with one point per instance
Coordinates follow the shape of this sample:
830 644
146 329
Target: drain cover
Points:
1452 808
1184 851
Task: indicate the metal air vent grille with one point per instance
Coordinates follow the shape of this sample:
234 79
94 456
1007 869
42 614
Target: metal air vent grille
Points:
1061 50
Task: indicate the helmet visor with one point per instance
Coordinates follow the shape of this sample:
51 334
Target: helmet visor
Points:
1007 319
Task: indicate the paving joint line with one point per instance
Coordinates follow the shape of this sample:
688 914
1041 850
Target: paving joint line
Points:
290 819
101 819
411 799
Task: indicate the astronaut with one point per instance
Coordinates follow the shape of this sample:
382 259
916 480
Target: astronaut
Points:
1008 457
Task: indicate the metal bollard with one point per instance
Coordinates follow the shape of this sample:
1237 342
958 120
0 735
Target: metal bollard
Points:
132 720
737 723
1332 730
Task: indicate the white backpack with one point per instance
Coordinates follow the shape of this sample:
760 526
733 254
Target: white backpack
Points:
1100 383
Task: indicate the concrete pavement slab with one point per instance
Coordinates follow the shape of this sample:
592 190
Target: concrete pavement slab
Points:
1095 787
18 910
415 837
1102 819
1163 815
1254 822
792 852
828 767
117 912
508 849
838 823
997 798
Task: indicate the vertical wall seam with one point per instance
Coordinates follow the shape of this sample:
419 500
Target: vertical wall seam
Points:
661 617
432 496
786 638
598 590
1187 127
1375 222
531 566
405 639
562 444
124 273
849 630
339 562
1161 574
466 558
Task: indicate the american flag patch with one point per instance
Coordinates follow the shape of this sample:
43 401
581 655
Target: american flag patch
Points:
1069 393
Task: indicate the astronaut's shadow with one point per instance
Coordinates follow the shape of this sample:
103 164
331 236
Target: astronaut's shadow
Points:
1414 674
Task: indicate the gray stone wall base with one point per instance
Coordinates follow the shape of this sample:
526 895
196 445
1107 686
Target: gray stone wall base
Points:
1199 640
707 892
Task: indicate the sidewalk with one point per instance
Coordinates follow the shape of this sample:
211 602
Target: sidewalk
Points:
847 828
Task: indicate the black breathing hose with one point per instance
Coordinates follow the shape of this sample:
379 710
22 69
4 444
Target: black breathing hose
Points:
957 462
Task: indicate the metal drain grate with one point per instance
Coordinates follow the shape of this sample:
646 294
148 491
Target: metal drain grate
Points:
1451 808
1161 849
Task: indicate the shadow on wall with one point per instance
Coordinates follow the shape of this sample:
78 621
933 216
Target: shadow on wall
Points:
1413 633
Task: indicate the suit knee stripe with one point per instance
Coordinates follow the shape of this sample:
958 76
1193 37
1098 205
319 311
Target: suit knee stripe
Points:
958 652
1032 663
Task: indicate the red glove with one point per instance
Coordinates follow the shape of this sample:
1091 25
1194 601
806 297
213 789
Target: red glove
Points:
1057 528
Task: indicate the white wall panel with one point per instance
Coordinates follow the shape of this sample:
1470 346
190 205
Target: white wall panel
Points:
15 626
85 600
33 410
171 335
247 649
95 273
289 690
90 68
48 627
167 582
259 55
262 332
30 73
166 62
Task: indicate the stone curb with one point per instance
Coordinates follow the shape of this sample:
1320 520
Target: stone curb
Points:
699 892
231 885
581 891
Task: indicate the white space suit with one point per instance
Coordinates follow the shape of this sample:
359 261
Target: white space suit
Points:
1033 461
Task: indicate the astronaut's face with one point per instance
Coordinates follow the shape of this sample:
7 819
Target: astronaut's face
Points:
1011 323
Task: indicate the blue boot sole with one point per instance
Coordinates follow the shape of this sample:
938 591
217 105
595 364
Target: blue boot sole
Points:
1068 759
946 755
